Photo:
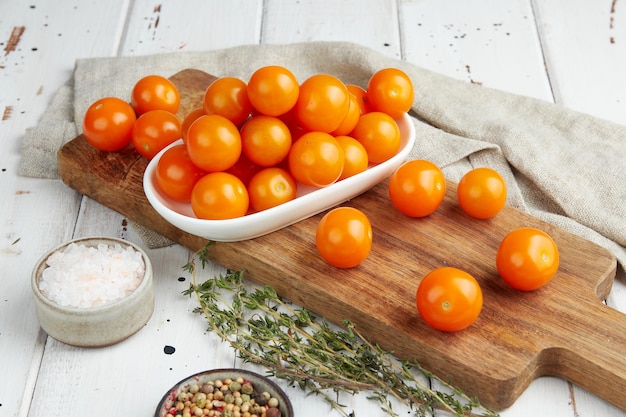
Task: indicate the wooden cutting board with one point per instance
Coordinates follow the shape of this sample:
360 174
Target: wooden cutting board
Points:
562 329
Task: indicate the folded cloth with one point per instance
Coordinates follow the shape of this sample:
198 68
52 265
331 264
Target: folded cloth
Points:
561 166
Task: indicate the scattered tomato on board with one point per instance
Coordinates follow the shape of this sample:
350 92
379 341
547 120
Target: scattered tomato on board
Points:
527 258
344 237
449 299
417 188
481 193
108 124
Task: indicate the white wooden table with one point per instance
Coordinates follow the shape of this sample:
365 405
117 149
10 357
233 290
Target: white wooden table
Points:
572 52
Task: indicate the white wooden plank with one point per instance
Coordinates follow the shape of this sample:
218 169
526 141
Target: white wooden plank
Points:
169 25
29 229
36 214
372 23
28 76
587 404
489 42
585 54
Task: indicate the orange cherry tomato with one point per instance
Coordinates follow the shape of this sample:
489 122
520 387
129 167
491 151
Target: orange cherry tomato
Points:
213 142
265 140
344 237
316 159
108 124
355 160
449 299
189 119
323 103
417 188
291 121
482 193
361 97
352 117
273 90
271 187
244 169
379 134
155 92
154 130
219 196
527 259
390 90
228 97
176 175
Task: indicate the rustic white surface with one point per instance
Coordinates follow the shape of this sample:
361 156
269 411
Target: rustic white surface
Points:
570 52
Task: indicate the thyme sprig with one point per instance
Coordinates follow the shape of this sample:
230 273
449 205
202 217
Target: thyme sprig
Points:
322 359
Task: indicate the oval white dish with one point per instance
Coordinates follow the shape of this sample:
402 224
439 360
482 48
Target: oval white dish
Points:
309 201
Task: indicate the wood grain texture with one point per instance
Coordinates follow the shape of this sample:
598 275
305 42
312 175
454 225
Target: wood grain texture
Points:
562 329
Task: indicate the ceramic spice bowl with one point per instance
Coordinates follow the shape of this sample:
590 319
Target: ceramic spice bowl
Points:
226 389
93 291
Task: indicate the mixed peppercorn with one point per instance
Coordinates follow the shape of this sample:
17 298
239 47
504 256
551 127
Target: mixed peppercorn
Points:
222 398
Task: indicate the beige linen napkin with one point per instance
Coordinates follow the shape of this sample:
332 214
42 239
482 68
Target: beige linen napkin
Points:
561 166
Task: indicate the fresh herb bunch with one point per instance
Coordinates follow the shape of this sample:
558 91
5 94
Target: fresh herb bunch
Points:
307 351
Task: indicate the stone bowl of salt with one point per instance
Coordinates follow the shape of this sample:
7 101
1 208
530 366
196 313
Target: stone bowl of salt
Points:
93 291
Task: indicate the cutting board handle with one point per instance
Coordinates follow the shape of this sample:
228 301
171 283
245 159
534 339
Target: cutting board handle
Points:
594 356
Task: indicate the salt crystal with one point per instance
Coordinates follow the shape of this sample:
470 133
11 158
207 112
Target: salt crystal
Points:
82 277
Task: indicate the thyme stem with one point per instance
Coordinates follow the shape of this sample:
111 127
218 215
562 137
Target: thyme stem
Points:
306 351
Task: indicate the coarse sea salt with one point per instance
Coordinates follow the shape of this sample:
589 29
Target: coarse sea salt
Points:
84 277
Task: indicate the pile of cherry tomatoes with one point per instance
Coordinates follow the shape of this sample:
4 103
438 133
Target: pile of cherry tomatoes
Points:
251 144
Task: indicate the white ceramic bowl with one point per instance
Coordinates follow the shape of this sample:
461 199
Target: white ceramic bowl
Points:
260 383
95 326
308 202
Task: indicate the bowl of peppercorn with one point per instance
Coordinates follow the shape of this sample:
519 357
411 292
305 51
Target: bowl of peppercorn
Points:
231 392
